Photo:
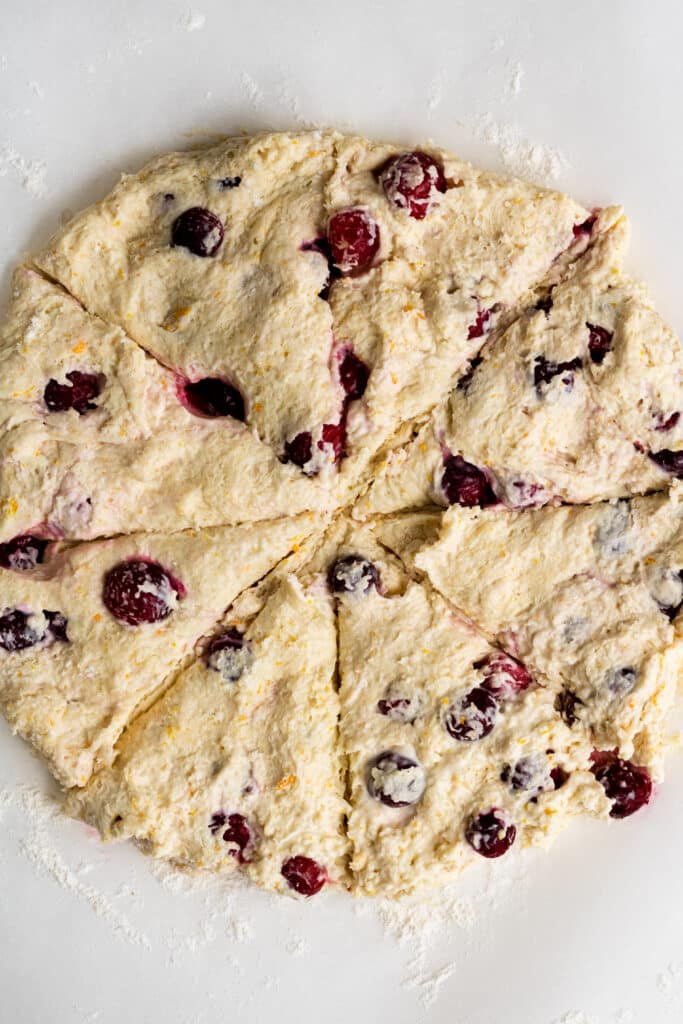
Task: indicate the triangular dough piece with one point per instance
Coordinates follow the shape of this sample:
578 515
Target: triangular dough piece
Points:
585 595
81 649
132 457
566 405
427 769
237 765
327 356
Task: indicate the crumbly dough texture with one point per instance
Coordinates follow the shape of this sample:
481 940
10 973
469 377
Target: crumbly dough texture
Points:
292 698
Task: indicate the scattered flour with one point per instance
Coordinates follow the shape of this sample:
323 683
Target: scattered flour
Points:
669 979
192 21
514 86
576 1017
36 89
436 90
251 89
31 173
533 161
298 947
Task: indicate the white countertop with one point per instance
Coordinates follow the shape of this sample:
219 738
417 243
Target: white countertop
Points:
590 93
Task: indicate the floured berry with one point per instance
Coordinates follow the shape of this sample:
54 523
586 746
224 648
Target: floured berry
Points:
212 396
664 423
504 677
599 342
621 681
353 574
353 375
411 181
78 394
23 553
670 462
16 631
229 654
304 875
138 591
627 785
395 780
472 716
531 774
353 236
490 834
545 371
400 704
198 230
463 483
56 626
238 835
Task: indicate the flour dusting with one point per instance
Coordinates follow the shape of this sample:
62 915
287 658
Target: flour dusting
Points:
533 161
193 21
31 173
251 89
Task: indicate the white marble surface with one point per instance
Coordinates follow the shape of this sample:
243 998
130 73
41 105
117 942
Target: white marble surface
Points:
89 934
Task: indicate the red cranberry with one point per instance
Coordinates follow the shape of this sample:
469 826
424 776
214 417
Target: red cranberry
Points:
627 785
299 449
472 716
480 326
545 370
23 553
217 822
465 484
531 774
334 435
77 395
353 236
559 776
212 396
304 875
17 632
664 423
400 705
353 575
599 342
229 654
395 780
504 677
411 182
198 230
490 834
238 834
353 375
139 591
670 462
584 229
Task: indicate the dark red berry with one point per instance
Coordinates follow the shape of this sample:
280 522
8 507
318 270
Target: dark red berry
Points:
225 184
481 325
400 704
411 181
304 875
504 677
334 435
217 822
664 423
212 396
490 834
15 632
670 462
299 449
139 591
353 236
77 395
584 229
465 484
566 704
559 776
395 780
229 654
466 379
545 304
353 375
353 574
23 553
627 785
545 371
599 342
198 230
472 716
238 834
